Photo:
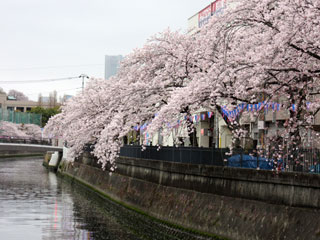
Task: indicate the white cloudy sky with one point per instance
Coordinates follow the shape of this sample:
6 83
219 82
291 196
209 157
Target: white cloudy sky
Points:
47 39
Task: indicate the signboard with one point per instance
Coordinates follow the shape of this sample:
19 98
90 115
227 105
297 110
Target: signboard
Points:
204 16
215 8
260 125
218 7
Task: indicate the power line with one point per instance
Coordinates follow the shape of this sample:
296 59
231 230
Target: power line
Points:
48 67
37 81
59 91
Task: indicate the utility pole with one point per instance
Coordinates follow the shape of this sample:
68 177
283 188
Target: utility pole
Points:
83 76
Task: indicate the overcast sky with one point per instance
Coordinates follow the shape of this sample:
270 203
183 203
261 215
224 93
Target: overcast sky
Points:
47 39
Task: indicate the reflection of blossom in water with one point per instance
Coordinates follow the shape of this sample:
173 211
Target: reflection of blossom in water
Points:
55 214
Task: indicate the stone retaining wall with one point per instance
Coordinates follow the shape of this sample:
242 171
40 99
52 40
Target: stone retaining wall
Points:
229 202
287 188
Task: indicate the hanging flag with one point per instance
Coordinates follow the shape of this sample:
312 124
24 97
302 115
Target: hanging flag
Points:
147 138
308 105
293 107
203 117
210 114
278 107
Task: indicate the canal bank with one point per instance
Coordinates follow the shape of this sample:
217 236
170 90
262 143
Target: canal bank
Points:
233 203
18 154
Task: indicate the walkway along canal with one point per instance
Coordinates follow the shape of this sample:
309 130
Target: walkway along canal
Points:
36 204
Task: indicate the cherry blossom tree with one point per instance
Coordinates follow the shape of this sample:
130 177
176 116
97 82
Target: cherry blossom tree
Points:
259 48
20 130
108 110
20 96
258 51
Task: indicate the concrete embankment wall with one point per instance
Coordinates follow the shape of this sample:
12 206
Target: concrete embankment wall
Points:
13 153
229 202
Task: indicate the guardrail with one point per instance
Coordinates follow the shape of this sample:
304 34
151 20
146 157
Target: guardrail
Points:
193 155
309 158
26 140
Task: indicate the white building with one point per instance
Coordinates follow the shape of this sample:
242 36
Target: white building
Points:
111 65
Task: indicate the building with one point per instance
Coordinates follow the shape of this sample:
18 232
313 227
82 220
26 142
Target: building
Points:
112 64
202 17
12 104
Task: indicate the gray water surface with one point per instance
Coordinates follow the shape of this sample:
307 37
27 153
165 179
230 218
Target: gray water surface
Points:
36 204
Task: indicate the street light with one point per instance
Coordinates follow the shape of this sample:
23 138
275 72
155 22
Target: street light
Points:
83 76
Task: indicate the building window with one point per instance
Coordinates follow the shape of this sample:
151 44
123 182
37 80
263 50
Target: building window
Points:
10 108
20 109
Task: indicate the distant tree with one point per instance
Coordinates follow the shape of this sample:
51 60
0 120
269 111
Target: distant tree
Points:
20 96
53 99
1 90
40 100
47 113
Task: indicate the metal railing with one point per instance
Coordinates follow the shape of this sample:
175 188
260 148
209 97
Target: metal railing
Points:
193 155
308 158
26 140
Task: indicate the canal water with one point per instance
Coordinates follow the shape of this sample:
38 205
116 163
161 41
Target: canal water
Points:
36 204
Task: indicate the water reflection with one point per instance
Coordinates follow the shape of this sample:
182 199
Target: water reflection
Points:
35 204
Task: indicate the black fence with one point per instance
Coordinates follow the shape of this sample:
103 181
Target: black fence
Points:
304 160
194 155
308 158
19 140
